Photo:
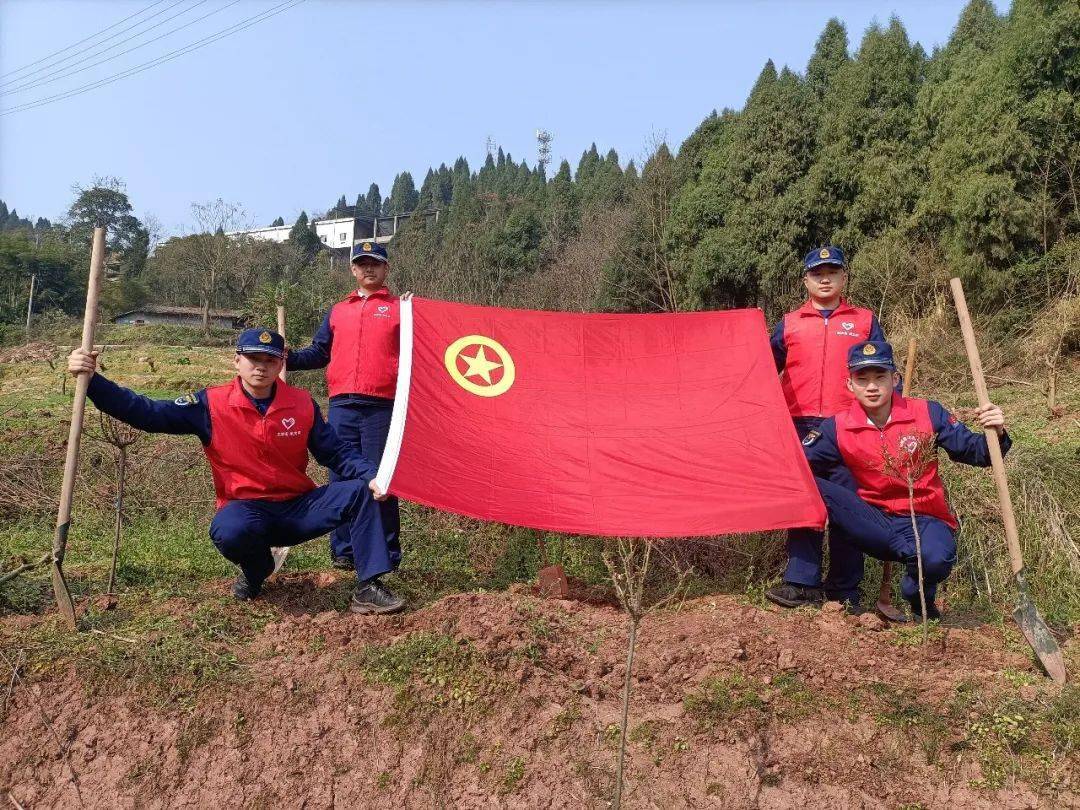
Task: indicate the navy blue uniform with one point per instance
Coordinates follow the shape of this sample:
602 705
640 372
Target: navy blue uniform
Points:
804 545
868 529
245 530
362 421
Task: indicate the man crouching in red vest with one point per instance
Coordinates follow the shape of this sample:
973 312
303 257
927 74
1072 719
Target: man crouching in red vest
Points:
876 443
256 432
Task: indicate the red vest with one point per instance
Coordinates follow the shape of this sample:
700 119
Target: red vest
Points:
815 373
364 355
864 449
259 457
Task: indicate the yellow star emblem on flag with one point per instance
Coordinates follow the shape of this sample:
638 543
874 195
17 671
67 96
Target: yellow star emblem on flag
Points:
480 365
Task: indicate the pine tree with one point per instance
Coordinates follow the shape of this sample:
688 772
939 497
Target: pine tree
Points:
829 57
563 213
641 276
866 178
403 195
277 223
304 239
373 200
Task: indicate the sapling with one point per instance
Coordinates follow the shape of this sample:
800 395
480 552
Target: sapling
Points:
915 453
628 565
121 436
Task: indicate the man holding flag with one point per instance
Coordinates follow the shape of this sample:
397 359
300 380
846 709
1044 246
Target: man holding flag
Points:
357 344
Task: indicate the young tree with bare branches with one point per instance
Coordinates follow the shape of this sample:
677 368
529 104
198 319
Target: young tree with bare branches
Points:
629 562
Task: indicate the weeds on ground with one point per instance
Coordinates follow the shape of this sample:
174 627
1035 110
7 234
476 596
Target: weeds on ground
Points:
718 700
515 772
899 707
430 673
163 654
911 635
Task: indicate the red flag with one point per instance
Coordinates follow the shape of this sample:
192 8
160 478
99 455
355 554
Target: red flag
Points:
642 425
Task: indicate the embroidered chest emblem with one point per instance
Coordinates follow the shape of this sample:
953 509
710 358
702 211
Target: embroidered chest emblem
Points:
288 422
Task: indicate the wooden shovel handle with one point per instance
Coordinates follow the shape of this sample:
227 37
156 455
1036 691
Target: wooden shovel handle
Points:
281 331
82 382
1012 537
909 366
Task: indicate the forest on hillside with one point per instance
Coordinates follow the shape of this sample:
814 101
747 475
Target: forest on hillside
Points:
962 161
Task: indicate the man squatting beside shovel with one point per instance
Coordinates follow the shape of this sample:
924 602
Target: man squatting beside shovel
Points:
257 432
870 507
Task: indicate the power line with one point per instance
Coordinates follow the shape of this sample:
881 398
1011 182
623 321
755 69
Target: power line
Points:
92 36
168 57
38 82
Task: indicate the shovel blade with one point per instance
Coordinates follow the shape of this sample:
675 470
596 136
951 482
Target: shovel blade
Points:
63 595
1040 638
279 554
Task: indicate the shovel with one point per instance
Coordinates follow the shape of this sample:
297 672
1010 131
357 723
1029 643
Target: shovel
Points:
1025 614
280 552
71 462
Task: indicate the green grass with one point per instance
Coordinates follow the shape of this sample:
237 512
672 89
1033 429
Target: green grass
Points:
430 673
162 652
718 700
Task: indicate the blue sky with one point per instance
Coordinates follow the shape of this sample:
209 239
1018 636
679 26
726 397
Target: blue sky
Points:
327 97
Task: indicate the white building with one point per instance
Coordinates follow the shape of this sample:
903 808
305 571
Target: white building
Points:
341 233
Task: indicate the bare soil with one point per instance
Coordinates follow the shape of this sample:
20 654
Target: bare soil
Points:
820 710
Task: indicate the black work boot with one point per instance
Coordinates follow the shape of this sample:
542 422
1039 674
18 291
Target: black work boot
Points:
243 589
343 561
374 597
792 596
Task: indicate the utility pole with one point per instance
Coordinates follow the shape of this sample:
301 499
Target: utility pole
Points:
30 305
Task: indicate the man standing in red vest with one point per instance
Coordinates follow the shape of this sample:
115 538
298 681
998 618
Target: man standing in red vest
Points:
810 347
862 458
357 344
257 432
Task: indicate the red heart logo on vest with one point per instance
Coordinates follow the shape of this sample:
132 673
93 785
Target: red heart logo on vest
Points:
288 422
848 324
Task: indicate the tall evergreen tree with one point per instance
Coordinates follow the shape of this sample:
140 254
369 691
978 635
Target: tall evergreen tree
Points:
403 195
866 178
829 57
303 238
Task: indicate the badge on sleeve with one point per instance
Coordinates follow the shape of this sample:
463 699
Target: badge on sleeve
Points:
187 399
811 437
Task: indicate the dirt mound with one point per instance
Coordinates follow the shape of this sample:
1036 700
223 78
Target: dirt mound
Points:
30 352
505 700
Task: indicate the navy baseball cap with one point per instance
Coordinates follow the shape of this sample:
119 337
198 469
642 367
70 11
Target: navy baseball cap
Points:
826 255
870 353
260 341
369 249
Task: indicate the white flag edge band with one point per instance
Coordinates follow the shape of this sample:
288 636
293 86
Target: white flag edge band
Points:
396 434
